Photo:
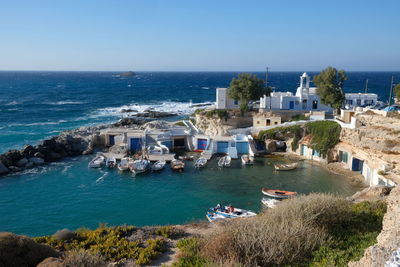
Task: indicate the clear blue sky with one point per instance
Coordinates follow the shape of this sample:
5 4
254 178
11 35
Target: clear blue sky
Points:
201 35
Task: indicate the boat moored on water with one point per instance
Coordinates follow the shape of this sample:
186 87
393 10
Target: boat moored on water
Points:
224 161
270 202
247 159
139 165
285 167
280 194
227 212
111 162
158 165
97 162
123 165
177 165
200 162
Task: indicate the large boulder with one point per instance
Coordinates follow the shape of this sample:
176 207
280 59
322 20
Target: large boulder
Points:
270 146
51 262
29 151
37 161
22 162
64 234
3 169
16 250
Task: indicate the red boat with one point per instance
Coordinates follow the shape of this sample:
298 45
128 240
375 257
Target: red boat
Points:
275 193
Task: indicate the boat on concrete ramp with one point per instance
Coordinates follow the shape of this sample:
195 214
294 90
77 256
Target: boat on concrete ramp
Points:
225 161
220 212
247 159
276 193
200 162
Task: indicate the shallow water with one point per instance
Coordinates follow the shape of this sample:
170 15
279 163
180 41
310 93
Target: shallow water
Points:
69 195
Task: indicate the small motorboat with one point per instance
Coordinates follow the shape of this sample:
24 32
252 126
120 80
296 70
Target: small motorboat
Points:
139 165
157 150
177 165
123 165
158 165
247 159
224 161
227 212
285 167
200 162
270 202
275 193
97 162
111 162
186 157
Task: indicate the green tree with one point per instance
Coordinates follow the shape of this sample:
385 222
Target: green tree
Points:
247 87
397 92
329 84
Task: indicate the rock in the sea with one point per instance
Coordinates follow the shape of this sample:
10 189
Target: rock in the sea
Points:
16 250
3 169
130 121
156 114
64 234
53 156
51 262
38 155
37 161
128 110
22 162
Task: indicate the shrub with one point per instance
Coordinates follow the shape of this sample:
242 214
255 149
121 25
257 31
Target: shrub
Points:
220 113
179 123
190 256
82 258
325 135
317 230
299 117
294 131
168 232
111 243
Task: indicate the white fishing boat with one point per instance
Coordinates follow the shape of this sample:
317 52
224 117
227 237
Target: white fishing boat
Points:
157 150
177 165
158 165
227 212
269 202
97 162
276 193
139 165
224 161
247 159
123 165
285 167
111 162
200 162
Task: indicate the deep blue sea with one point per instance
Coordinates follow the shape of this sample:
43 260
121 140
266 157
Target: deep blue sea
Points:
35 105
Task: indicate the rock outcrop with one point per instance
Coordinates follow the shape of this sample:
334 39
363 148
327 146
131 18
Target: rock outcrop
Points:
16 250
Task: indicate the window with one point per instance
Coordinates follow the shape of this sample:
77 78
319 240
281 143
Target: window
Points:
358 102
304 105
316 153
268 122
343 156
349 102
258 122
276 123
236 102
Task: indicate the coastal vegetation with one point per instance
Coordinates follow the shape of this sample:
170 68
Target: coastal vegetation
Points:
220 113
247 87
396 90
325 135
112 243
313 230
329 84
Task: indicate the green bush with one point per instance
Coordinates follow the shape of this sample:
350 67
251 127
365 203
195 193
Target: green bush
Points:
294 131
164 231
82 258
324 135
179 123
220 113
110 243
190 256
299 117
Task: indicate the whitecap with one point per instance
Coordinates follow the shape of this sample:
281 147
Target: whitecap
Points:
37 123
66 102
12 103
180 108
205 87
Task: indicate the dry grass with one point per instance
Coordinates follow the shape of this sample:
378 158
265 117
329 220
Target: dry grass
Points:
280 236
82 258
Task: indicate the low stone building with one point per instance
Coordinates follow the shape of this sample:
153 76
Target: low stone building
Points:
266 119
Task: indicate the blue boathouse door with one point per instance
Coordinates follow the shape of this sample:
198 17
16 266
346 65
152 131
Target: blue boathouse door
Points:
291 105
357 165
201 144
242 147
111 140
136 145
222 147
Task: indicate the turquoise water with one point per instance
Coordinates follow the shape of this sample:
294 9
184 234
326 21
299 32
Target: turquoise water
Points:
69 195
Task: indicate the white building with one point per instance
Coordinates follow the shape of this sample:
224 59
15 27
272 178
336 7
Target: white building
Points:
305 99
360 100
223 100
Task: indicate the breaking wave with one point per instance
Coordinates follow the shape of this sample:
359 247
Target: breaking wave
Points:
67 102
37 123
180 108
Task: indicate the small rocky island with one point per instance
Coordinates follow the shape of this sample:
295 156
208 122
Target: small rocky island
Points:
127 74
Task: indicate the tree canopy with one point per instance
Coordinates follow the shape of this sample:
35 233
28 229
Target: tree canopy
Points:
397 92
329 84
247 87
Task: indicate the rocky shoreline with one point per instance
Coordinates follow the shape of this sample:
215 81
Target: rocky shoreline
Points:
71 143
